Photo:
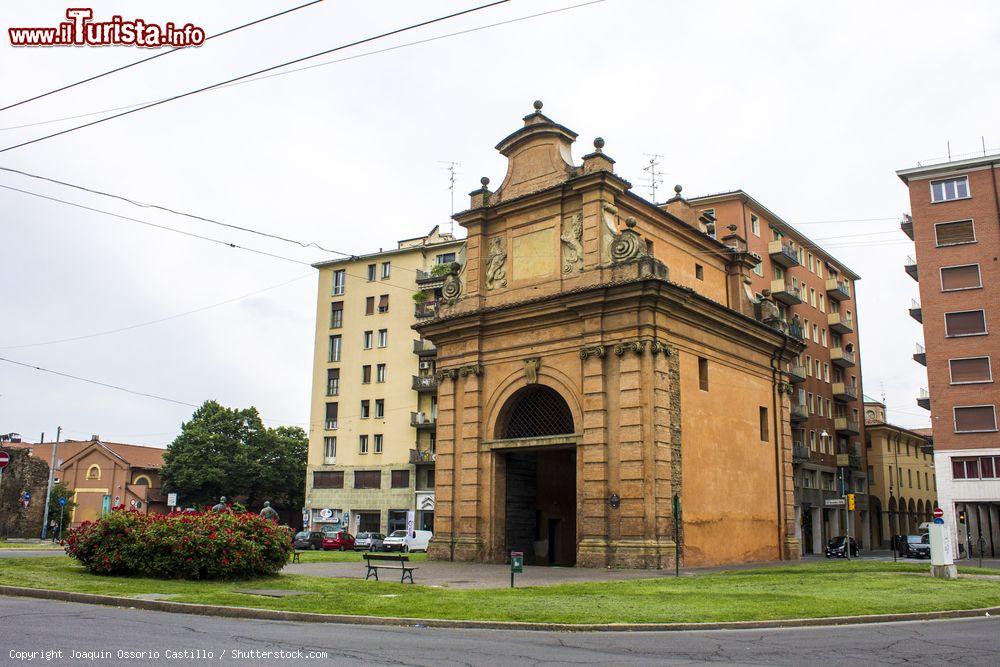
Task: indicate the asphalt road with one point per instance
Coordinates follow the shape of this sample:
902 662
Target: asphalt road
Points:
100 632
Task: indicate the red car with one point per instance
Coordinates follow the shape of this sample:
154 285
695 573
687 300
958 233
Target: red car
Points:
341 540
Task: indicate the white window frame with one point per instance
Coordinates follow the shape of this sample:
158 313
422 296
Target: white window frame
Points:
954 416
979 270
380 372
338 289
362 444
327 441
984 332
975 239
989 364
335 348
968 188
367 339
386 270
755 224
377 443
383 338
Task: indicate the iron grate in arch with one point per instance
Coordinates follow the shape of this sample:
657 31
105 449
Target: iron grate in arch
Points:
539 412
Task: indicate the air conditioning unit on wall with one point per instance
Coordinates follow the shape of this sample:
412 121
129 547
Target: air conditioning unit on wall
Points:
425 365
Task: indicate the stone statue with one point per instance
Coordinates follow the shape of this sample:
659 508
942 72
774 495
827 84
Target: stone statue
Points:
572 241
496 257
531 367
221 506
269 512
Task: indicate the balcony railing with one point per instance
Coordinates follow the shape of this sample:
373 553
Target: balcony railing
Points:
422 420
786 293
842 357
920 356
842 324
424 348
797 373
796 331
924 399
332 387
915 311
424 383
800 453
428 277
907 226
846 426
422 456
838 290
783 254
800 412
911 268
425 310
844 392
331 424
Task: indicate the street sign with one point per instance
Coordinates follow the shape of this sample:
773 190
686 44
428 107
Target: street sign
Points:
27 495
835 502
171 500
4 460
939 521
62 501
938 513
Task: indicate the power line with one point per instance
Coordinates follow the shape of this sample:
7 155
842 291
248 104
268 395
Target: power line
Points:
324 64
98 383
154 57
258 72
157 321
151 224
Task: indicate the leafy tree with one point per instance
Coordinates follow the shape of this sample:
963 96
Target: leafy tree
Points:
59 490
229 452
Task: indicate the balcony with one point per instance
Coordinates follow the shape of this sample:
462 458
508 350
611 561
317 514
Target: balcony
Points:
424 310
915 311
842 324
799 412
924 399
846 426
796 374
434 277
424 348
911 268
800 453
795 330
844 393
920 356
785 293
783 254
423 421
907 226
425 383
838 290
422 457
841 357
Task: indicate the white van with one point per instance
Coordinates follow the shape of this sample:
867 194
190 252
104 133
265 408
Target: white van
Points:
400 540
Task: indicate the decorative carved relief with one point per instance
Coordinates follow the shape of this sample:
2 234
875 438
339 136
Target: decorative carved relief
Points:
447 374
637 346
609 213
471 369
452 287
658 346
496 260
531 367
628 245
572 243
786 388
594 351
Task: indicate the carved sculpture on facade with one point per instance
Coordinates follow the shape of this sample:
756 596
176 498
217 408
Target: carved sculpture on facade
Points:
659 346
593 351
470 369
628 245
496 259
572 243
609 214
637 346
531 367
452 287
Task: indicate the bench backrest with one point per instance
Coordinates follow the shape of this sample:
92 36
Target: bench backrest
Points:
390 557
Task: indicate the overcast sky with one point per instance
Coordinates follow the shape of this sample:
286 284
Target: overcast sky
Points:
810 108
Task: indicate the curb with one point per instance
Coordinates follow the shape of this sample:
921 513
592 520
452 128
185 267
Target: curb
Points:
310 617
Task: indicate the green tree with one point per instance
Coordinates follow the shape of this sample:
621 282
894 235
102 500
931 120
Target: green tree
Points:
59 490
229 452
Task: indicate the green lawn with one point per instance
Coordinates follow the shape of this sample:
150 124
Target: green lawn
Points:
795 591
35 546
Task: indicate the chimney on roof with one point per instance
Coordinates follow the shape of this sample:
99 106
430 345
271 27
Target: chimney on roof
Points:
95 438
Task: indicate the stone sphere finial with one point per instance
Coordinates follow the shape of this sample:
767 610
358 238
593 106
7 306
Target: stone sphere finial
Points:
630 222
678 188
538 106
598 144
485 180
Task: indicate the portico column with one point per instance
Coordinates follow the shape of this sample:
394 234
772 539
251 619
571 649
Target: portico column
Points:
817 529
443 542
592 462
473 489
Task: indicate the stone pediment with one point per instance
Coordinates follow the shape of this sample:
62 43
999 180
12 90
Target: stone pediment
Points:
539 155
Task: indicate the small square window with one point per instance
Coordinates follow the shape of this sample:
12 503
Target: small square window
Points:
703 374
950 188
699 272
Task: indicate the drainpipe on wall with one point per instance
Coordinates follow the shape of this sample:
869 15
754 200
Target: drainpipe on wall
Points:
776 408
996 197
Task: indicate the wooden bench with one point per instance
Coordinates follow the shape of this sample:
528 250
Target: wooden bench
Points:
388 562
295 556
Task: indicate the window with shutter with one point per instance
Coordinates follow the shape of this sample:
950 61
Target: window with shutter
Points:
383 303
369 305
974 369
332 381
367 479
975 418
336 314
960 277
328 479
331 416
400 479
965 323
953 233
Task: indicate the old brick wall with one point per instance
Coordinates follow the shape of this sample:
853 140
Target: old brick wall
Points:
24 472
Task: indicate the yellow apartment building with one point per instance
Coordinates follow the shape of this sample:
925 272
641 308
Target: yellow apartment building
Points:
374 407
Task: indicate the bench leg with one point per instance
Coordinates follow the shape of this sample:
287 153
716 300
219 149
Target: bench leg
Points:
406 573
371 571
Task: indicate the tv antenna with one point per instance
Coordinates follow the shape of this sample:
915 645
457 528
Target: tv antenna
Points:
452 173
655 178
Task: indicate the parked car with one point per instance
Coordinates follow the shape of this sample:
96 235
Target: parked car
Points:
915 546
341 540
308 539
835 548
400 540
369 542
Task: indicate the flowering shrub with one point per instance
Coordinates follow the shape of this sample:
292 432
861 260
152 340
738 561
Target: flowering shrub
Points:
197 545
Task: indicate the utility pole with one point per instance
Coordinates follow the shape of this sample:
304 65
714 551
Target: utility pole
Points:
655 178
452 173
48 489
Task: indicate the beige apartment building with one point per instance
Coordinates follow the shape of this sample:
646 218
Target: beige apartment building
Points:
374 406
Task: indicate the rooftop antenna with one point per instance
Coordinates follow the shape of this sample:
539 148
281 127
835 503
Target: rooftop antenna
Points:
983 139
452 173
949 151
655 175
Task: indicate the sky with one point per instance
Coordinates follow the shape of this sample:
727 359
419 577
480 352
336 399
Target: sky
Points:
809 107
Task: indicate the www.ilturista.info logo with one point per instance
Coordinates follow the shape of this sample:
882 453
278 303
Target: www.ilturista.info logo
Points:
81 30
